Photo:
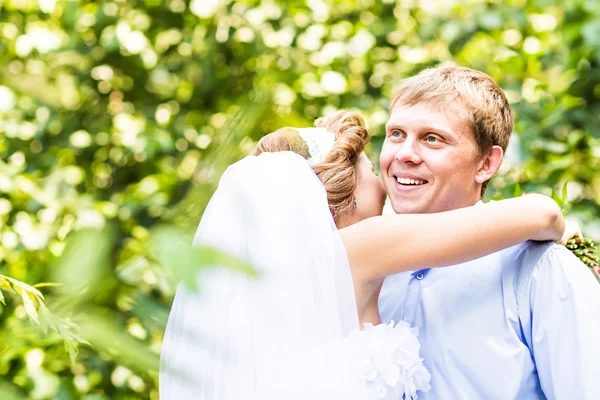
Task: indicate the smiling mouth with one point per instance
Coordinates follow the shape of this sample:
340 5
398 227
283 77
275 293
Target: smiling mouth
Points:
411 182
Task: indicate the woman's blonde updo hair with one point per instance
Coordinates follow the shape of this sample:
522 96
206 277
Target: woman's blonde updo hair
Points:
337 171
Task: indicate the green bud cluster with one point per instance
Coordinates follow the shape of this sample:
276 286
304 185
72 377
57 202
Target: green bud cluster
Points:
585 249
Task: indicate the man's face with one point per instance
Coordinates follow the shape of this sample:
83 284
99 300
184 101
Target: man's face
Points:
429 160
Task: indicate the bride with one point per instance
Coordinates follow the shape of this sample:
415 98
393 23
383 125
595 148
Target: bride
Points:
305 211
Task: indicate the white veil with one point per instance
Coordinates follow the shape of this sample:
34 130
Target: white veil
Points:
273 336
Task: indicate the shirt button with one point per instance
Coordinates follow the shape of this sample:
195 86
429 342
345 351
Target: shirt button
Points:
420 276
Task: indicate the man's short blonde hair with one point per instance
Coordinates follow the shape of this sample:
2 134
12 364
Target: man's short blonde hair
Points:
472 94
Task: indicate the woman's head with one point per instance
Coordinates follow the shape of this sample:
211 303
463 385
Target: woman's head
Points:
353 191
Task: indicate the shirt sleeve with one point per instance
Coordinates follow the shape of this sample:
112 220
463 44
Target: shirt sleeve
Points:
564 299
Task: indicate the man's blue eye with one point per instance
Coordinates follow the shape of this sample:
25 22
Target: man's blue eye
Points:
431 139
395 133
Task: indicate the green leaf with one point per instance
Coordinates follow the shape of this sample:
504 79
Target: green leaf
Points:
4 283
47 284
10 391
517 192
85 260
564 194
30 307
72 350
175 253
23 286
107 335
47 317
555 197
2 298
43 321
213 257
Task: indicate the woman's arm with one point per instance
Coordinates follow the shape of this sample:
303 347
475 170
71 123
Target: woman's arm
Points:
381 246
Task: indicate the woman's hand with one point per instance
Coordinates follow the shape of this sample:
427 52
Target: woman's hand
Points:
572 229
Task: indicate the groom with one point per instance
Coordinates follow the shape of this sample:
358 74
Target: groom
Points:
523 323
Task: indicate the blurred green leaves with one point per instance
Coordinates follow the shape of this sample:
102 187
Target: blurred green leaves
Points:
85 261
173 251
36 309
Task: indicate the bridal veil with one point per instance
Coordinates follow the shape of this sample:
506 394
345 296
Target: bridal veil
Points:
277 335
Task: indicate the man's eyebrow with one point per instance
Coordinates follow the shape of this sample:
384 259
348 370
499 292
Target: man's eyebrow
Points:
424 127
449 133
435 128
393 124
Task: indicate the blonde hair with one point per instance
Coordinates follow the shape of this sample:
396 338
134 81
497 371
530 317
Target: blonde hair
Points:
337 171
480 101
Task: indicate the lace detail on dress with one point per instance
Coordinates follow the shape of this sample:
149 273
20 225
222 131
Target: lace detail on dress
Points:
394 367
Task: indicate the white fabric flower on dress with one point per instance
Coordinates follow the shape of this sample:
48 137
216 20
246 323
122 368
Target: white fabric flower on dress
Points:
394 367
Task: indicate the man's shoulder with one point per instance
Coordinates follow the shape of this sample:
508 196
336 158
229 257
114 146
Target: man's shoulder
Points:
531 253
543 259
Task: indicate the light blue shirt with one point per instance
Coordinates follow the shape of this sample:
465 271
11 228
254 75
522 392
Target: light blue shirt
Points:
523 323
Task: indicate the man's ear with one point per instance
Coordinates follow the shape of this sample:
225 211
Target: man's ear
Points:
489 164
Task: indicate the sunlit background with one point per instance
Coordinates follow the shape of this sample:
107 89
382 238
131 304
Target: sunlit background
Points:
121 116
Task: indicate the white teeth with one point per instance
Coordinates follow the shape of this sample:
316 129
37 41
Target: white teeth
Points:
406 181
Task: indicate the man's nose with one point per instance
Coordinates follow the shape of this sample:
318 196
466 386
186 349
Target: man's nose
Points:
409 152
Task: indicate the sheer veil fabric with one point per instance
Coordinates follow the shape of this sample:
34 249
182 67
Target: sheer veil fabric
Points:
282 334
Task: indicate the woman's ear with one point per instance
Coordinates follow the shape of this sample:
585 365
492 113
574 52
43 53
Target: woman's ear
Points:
489 164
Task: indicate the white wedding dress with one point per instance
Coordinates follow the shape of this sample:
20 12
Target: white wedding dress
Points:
292 331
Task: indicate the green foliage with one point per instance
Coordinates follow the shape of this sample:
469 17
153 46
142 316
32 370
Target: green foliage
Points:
38 312
118 117
172 251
